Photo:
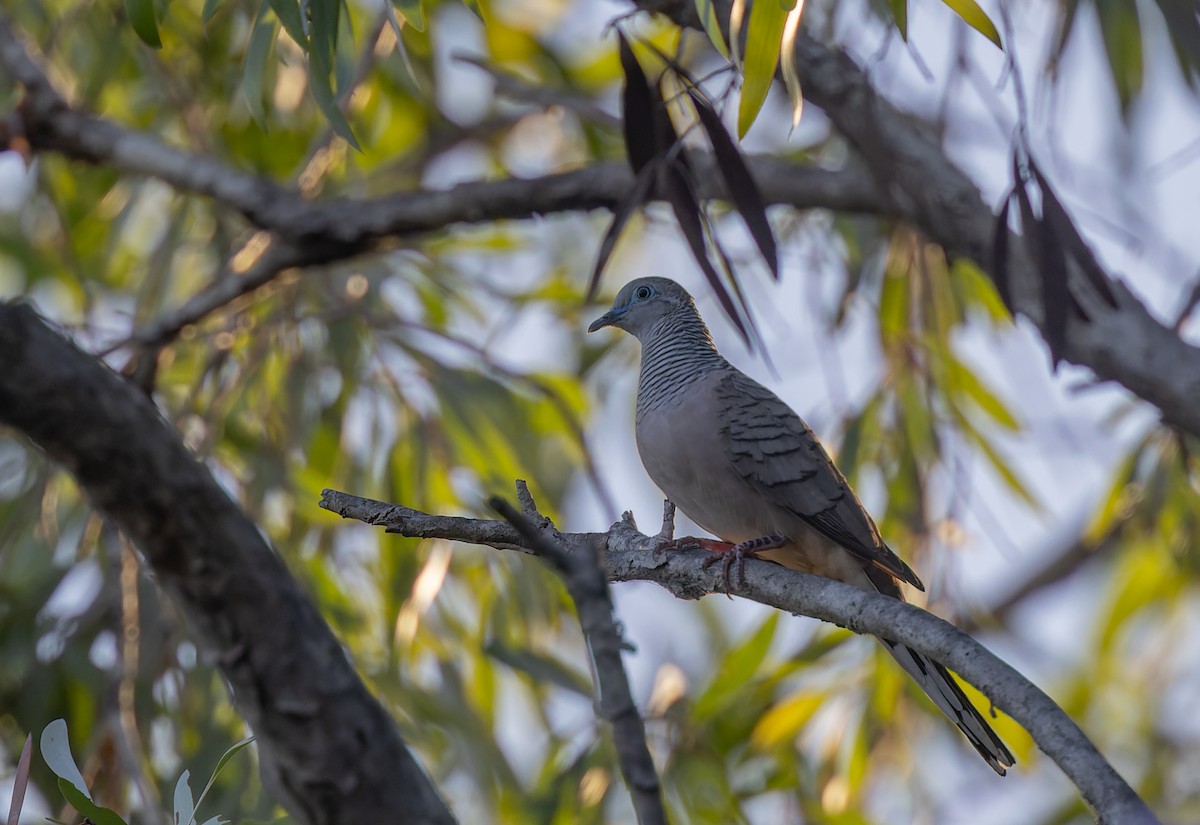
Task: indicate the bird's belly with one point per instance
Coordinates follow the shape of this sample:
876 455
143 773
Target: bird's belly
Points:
695 474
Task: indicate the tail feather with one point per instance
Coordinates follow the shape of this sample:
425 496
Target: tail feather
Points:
940 686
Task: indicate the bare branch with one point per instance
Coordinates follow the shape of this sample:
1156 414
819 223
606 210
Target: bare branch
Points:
330 752
579 568
631 556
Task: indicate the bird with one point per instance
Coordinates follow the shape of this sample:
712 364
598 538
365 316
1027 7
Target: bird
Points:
745 467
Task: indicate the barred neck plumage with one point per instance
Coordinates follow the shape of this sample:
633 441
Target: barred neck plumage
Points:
676 351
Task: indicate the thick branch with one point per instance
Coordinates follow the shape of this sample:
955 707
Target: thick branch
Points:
588 586
632 556
330 752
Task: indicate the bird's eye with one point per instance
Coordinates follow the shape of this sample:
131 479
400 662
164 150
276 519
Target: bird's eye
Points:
642 293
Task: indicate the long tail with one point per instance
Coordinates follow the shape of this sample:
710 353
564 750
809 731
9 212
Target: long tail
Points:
940 686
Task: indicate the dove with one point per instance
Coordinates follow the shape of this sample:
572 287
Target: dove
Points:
742 465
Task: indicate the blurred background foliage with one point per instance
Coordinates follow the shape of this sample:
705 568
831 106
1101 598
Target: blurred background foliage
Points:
410 376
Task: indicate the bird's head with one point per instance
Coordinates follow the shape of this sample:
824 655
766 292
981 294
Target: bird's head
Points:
642 303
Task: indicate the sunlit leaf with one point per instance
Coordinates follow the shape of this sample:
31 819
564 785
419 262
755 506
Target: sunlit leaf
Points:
413 13
707 11
787 50
899 10
764 36
143 17
783 721
962 379
976 18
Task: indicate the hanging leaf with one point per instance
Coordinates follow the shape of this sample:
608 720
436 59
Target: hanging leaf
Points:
707 12
638 195
255 69
288 12
787 54
1000 254
976 18
144 20
737 17
1056 214
412 12
322 42
638 109
743 189
764 35
686 207
900 15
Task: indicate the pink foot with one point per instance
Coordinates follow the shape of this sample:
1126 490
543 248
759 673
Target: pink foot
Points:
694 543
739 553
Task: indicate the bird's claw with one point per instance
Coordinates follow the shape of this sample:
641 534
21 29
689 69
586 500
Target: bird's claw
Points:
739 553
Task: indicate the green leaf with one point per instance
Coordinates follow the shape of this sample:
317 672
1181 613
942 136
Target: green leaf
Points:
233 750
745 659
56 750
322 93
412 12
707 11
960 379
254 72
764 36
86 807
900 15
210 8
288 12
976 18
1122 32
540 667
145 23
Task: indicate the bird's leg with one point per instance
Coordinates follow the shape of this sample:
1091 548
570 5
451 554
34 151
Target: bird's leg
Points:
739 553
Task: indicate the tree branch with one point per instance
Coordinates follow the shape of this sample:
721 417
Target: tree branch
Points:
329 752
631 556
588 586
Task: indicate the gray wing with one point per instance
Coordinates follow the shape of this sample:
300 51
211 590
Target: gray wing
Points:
774 450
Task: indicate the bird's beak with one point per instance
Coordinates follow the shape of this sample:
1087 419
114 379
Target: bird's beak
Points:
608 319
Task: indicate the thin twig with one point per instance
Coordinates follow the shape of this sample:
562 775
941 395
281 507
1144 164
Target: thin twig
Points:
580 570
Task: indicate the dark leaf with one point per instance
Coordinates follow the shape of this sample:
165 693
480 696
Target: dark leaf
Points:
144 19
288 12
1000 254
1051 262
1054 212
687 211
621 215
638 108
743 190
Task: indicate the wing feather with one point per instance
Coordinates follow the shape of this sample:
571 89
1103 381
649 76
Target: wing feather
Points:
773 449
